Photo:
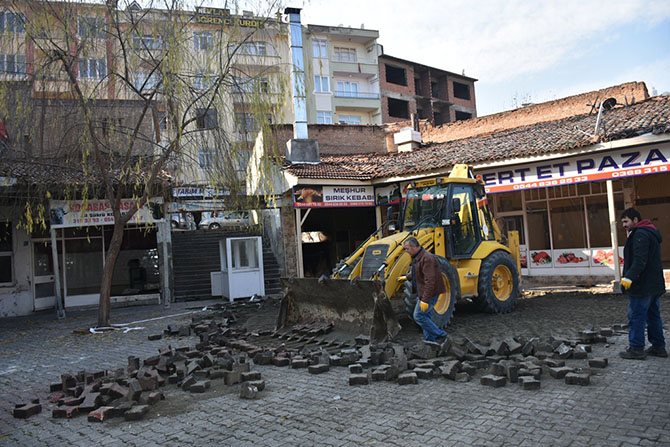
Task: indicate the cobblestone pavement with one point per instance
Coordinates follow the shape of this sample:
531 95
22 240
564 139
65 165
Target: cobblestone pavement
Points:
627 404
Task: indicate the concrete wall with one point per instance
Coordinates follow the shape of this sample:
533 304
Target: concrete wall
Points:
17 299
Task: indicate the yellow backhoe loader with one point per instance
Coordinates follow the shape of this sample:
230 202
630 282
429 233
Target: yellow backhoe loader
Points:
450 217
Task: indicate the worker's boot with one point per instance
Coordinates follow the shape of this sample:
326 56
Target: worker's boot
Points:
633 354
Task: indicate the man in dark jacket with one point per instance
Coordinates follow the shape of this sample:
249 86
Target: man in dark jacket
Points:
427 276
644 284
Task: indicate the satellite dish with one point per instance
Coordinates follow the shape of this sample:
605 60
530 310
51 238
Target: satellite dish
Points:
609 103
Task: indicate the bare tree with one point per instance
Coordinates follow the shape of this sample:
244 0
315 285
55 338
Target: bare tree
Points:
124 97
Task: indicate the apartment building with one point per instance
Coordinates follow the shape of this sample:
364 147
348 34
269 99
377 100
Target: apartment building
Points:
437 95
342 75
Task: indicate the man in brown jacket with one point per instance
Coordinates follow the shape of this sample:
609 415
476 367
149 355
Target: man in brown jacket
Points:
427 277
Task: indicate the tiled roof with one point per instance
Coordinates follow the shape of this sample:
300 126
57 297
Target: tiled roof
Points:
53 172
650 116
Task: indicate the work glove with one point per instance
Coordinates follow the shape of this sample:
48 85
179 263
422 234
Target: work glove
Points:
626 283
423 306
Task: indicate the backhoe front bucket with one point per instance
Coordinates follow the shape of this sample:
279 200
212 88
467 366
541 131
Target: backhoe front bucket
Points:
356 307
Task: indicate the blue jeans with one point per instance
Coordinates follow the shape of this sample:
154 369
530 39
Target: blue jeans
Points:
430 329
644 311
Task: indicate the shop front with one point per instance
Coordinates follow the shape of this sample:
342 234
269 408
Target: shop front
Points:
331 221
82 238
563 208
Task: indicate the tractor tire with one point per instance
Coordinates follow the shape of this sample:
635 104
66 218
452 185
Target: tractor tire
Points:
446 303
498 286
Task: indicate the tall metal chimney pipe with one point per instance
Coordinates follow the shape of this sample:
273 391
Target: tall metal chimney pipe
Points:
297 75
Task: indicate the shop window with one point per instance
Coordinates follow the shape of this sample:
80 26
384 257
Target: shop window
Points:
538 225
536 194
597 212
512 223
206 118
136 269
583 189
83 265
508 201
567 223
6 254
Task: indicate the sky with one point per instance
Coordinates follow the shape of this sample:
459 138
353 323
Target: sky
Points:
520 51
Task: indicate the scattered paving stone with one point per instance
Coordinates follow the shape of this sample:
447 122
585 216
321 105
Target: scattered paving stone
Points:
250 376
559 373
599 362
493 381
359 379
259 384
248 391
232 377
577 379
199 387
450 369
187 382
318 369
407 378
64 412
153 337
24 411
136 413
299 363
462 377
512 373
355 368
101 414
529 383
423 373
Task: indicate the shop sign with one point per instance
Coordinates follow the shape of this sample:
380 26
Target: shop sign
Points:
198 192
77 213
217 16
317 196
586 168
7 181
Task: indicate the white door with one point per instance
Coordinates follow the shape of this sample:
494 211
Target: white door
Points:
44 281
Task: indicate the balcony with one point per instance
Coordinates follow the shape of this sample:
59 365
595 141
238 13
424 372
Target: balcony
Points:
361 95
360 68
357 101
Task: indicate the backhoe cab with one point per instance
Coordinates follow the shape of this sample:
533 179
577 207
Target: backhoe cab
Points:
451 218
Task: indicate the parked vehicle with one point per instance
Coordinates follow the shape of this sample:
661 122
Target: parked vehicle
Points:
229 220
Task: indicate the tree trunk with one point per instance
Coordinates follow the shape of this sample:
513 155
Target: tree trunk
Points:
104 306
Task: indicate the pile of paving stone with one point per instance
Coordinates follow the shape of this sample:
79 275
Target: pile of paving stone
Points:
518 359
130 392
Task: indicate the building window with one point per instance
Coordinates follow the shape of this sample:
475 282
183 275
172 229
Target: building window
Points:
144 82
347 89
395 75
320 48
242 158
203 41
244 122
147 42
349 119
324 118
321 84
345 54
461 91
12 22
206 158
12 64
460 116
253 48
92 68
398 108
203 80
91 27
162 120
6 254
206 119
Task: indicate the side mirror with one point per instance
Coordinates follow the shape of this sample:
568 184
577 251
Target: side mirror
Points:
389 213
391 227
455 205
